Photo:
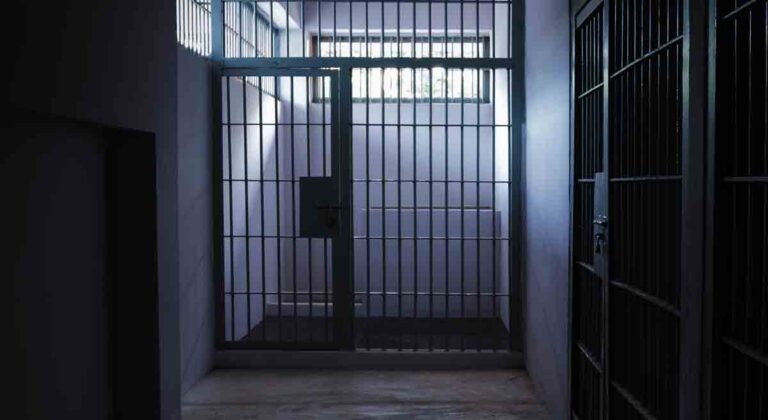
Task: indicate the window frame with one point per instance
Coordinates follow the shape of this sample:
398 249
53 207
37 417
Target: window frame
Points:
484 96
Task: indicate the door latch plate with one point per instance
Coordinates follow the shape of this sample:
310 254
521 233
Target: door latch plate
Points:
319 207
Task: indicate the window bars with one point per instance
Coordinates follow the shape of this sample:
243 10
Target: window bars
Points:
438 85
193 25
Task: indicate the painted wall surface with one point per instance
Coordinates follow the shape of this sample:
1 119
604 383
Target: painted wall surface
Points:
546 190
196 293
111 63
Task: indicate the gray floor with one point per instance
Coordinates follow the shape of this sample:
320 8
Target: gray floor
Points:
327 394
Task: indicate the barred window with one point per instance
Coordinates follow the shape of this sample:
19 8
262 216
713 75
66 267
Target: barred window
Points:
193 25
406 85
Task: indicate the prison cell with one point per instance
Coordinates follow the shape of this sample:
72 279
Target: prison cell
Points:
740 360
371 206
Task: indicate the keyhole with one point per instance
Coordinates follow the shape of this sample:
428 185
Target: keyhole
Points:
599 240
330 220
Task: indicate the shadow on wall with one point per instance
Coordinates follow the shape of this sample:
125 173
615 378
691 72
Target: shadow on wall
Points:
79 252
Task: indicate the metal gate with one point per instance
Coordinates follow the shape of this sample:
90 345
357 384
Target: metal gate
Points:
281 173
369 175
631 170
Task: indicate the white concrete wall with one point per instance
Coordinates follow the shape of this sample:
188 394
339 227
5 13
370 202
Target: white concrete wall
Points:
196 292
547 194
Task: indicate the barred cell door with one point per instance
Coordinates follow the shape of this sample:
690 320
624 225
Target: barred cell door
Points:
588 271
635 183
284 219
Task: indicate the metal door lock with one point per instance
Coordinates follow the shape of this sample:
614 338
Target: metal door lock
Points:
320 209
599 243
601 223
330 213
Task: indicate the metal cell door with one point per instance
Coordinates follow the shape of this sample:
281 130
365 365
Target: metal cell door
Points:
632 170
589 280
283 212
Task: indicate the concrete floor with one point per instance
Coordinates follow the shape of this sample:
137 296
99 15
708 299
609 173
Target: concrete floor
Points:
332 394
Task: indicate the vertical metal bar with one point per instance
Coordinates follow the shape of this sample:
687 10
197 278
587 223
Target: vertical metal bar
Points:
413 38
272 38
383 189
304 54
367 188
293 211
515 90
341 110
277 214
477 174
231 228
461 33
320 46
445 186
308 138
247 205
198 32
445 43
181 8
240 40
381 54
494 241
187 24
429 182
693 194
256 31
511 181
462 102
325 240
217 30
288 41
334 44
261 203
189 30
399 184
415 211
431 204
